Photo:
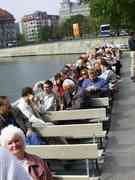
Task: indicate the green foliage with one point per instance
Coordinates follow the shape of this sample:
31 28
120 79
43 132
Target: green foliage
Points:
115 12
21 40
44 33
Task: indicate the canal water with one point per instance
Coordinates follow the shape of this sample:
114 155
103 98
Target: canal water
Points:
18 72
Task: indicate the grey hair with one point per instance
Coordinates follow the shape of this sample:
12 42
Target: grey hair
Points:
9 132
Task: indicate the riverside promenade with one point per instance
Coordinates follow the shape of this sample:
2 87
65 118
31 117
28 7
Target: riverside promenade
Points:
120 151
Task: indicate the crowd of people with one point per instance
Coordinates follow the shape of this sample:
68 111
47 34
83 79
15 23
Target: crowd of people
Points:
94 74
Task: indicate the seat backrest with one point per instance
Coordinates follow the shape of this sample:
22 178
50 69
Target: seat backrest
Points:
99 102
73 131
76 151
98 113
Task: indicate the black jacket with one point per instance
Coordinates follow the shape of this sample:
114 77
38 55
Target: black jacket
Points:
20 120
131 43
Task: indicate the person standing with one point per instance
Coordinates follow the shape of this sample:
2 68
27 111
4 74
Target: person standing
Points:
131 41
10 168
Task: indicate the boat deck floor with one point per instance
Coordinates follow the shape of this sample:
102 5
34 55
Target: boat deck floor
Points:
120 152
119 160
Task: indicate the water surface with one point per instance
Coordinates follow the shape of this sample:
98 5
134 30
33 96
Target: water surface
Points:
18 72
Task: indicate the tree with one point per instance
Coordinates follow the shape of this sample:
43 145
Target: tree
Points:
56 32
21 40
115 12
44 33
129 15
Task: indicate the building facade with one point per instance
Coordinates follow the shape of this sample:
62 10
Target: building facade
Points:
7 29
32 23
68 9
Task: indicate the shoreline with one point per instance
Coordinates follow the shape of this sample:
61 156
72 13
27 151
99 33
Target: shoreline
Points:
60 48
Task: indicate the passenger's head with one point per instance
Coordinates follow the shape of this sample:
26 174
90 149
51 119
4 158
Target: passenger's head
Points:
66 72
27 94
58 78
84 73
92 74
132 34
27 91
92 56
5 105
97 66
84 58
48 86
104 65
68 85
13 139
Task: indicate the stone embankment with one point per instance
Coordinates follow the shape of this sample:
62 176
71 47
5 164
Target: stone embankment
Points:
63 47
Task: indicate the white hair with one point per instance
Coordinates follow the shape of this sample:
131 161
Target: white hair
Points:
9 132
68 82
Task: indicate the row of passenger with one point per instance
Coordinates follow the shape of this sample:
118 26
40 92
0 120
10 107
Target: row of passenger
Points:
70 89
92 75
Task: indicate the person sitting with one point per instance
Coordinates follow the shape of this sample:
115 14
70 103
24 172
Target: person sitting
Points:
70 98
82 63
94 83
107 73
97 67
48 100
58 88
13 139
66 72
28 106
92 87
38 89
83 75
10 168
12 115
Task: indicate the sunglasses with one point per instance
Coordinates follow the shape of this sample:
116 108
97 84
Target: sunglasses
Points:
83 73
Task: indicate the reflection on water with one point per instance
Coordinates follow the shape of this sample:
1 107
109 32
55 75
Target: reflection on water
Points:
25 71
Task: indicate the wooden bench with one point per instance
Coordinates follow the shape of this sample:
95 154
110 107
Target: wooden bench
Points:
93 131
102 102
69 152
74 131
92 115
62 177
99 102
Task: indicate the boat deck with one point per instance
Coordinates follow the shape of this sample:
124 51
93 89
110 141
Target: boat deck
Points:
120 152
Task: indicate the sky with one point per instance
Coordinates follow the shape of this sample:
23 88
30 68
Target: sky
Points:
19 8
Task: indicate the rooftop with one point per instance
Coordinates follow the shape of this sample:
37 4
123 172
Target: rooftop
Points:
5 16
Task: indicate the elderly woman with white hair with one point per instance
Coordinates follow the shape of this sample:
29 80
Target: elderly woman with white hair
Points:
13 139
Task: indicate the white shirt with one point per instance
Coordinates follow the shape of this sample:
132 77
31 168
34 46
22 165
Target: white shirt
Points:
24 164
108 75
47 102
26 109
10 168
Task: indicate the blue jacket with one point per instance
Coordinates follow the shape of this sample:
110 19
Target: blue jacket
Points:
99 83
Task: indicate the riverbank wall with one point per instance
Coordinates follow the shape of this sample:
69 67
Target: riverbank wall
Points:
63 47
